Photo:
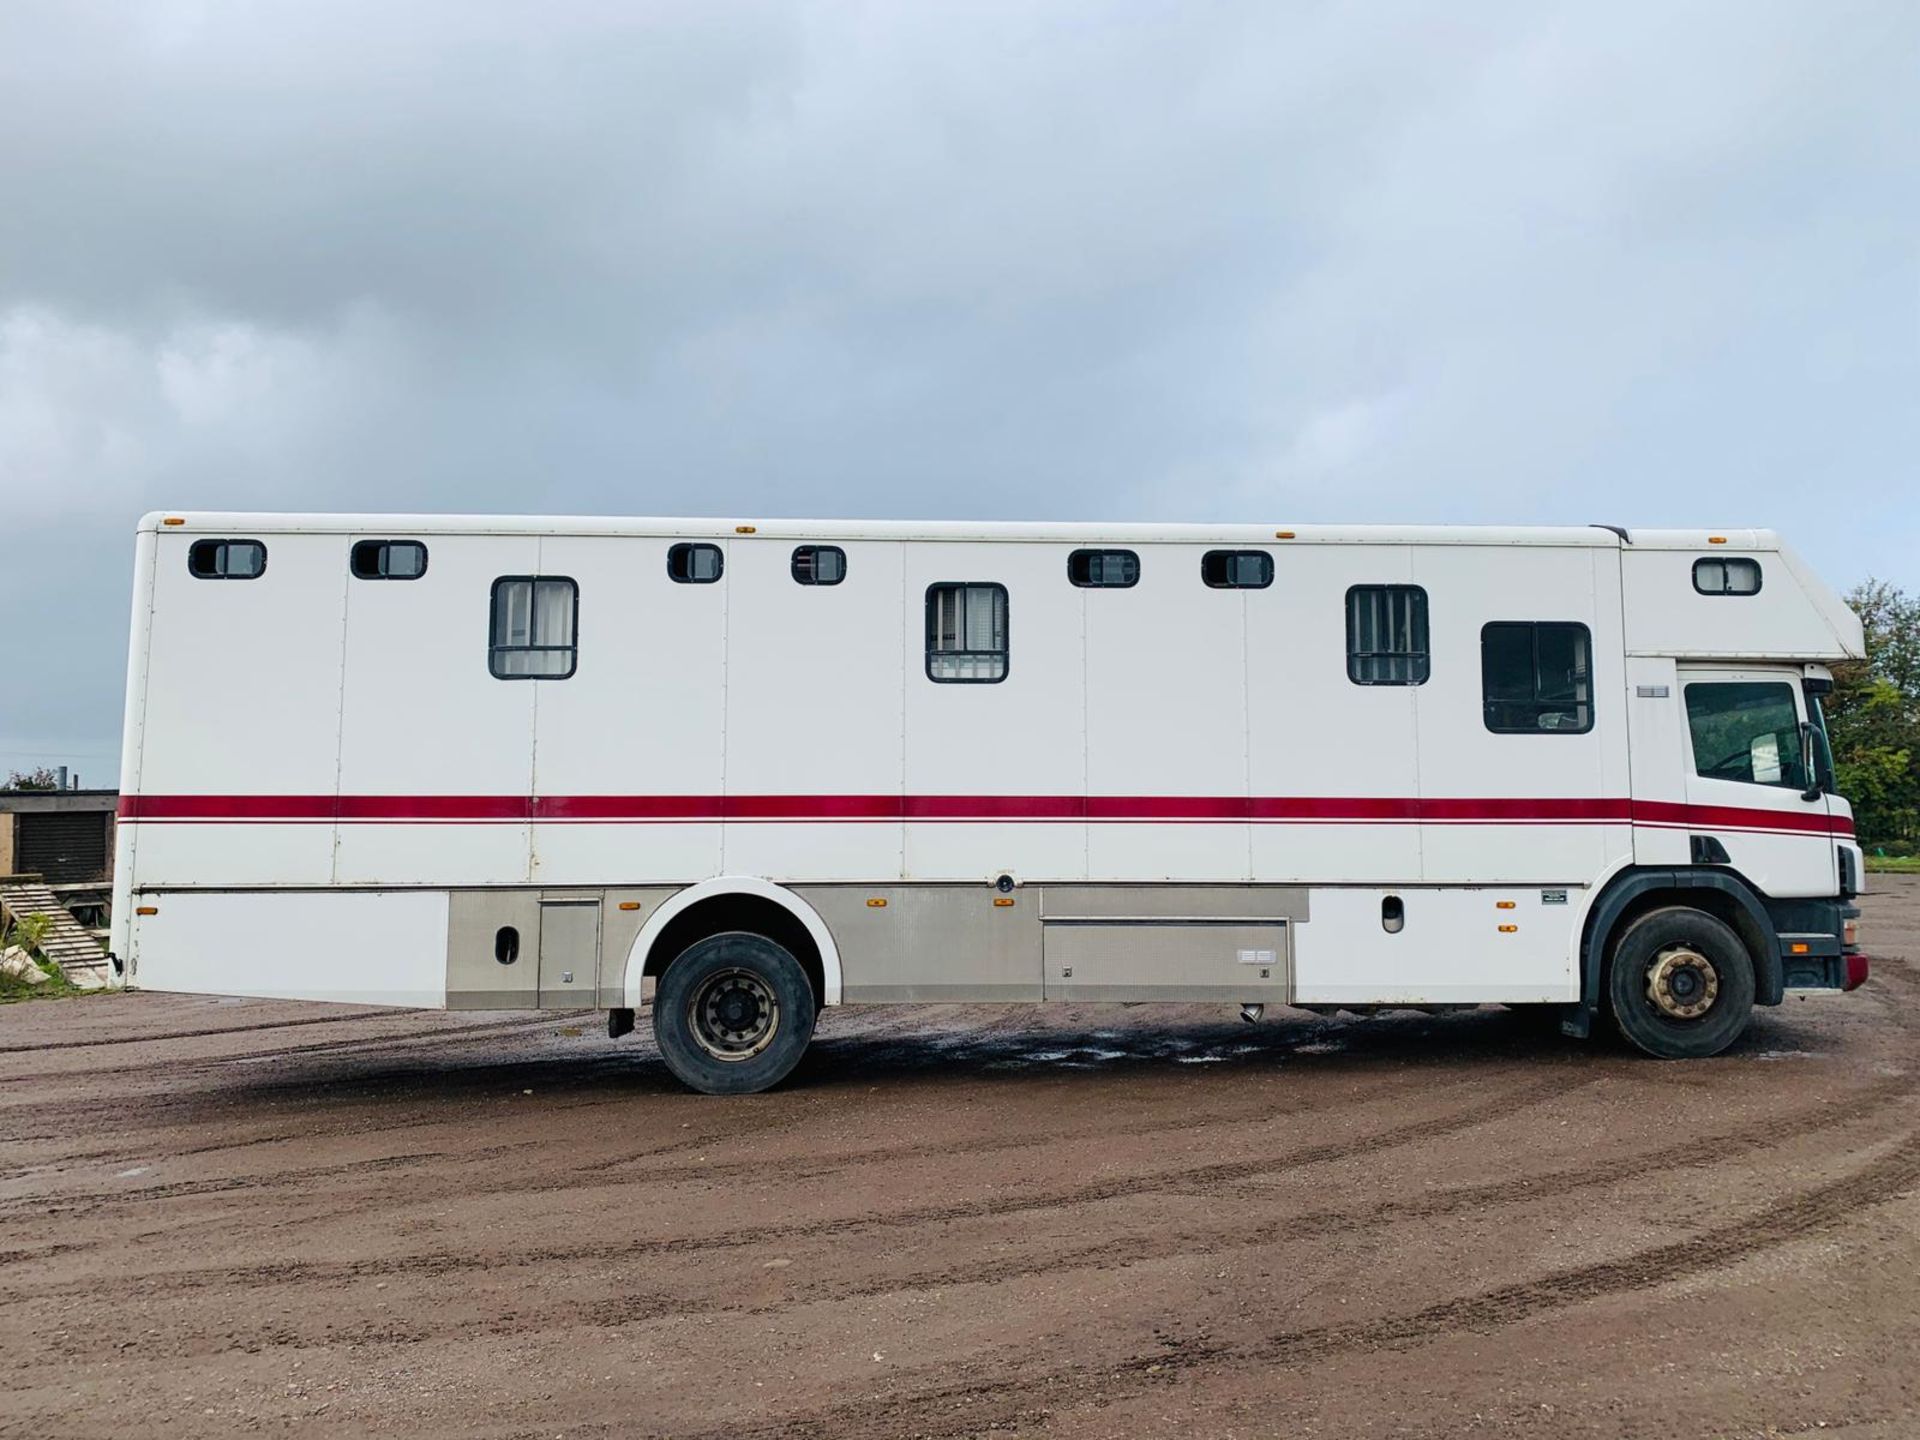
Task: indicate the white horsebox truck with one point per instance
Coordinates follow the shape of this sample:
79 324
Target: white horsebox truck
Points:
739 772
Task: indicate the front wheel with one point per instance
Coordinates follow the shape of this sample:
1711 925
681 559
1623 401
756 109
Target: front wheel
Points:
733 1014
1681 984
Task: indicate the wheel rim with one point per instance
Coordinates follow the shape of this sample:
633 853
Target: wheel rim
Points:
1682 984
733 1015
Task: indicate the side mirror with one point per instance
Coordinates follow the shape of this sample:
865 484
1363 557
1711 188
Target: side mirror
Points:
1809 771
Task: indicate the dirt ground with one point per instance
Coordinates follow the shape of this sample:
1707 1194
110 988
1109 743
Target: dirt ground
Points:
228 1217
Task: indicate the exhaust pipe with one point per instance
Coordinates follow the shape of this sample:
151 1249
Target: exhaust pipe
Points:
1251 1013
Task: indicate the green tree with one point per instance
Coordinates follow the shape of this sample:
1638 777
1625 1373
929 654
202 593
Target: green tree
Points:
43 778
1874 717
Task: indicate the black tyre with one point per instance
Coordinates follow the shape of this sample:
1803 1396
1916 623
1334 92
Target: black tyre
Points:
733 1014
1680 984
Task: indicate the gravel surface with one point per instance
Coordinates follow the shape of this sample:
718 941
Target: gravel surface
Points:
231 1217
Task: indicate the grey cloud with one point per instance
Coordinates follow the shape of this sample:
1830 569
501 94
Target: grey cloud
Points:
1647 264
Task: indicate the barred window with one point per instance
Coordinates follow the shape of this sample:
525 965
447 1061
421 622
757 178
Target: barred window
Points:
1103 569
536 619
967 633
1387 635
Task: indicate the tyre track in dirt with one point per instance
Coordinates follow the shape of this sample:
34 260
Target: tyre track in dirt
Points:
817 1165
66 1205
1329 1223
156 1036
1603 1206
1196 1181
1257 1109
989 1207
1006 1398
70 1205
1118 1253
354 1045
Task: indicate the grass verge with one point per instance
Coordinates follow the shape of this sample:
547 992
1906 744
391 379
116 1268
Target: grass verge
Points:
56 986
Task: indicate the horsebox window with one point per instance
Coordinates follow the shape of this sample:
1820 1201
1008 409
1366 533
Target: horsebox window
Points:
388 560
1237 569
1726 575
227 560
1536 677
695 564
967 634
1387 635
534 629
1103 569
819 565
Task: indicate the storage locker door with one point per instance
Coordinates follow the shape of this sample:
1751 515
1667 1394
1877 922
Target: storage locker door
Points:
569 953
1127 958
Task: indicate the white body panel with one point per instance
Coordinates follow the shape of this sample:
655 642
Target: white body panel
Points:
299 945
303 743
643 715
1024 736
423 719
1450 951
806 717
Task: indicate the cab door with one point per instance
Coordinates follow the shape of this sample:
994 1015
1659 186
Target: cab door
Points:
1748 780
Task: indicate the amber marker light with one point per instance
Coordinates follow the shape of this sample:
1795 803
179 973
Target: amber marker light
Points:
1503 904
743 529
146 909
174 520
1508 929
876 904
1716 539
1283 534
629 904
1001 904
1800 947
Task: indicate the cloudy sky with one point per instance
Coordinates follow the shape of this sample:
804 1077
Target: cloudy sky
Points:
1531 262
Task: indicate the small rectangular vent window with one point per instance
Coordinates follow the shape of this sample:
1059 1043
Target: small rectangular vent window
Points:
819 564
967 634
1237 569
535 628
388 560
1536 677
1104 569
1726 575
227 560
695 564
1387 635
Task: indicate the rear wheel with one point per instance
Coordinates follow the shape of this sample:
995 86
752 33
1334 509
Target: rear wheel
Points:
1680 984
733 1014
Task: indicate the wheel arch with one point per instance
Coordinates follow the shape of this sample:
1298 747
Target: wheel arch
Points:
1725 894
733 902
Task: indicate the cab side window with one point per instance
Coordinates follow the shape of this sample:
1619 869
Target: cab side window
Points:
1748 731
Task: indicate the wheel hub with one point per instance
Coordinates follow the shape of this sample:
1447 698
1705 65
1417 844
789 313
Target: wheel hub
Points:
733 1015
1682 983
